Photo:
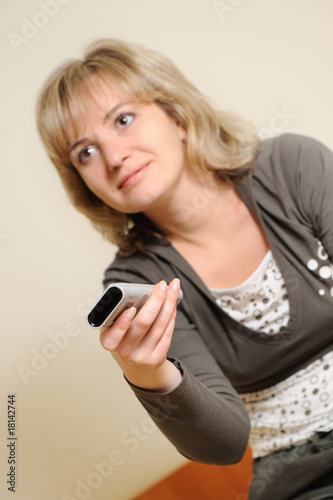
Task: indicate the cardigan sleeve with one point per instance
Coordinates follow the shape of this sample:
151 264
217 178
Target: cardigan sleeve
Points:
312 184
318 191
204 418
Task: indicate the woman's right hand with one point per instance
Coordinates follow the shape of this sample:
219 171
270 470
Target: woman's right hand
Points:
140 343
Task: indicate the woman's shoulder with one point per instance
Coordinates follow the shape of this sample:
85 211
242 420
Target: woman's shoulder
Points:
290 146
147 266
290 155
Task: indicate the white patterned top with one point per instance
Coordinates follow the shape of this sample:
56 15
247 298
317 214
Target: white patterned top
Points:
261 302
291 411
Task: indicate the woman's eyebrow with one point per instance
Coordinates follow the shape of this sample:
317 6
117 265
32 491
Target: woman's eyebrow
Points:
77 143
115 108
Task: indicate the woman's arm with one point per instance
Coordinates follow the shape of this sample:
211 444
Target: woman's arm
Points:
192 402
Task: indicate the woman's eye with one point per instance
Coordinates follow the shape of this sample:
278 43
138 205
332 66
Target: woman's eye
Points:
86 154
124 120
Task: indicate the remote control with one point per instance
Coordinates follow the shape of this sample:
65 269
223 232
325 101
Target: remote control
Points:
116 298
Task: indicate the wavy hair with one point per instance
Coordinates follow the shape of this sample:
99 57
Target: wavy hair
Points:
216 141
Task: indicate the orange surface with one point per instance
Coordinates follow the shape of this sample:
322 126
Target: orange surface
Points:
196 481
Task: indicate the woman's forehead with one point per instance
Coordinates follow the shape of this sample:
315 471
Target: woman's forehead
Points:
97 98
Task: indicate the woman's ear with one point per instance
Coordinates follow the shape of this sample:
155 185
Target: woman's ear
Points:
181 131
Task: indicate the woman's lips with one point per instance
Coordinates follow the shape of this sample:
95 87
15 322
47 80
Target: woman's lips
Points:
133 176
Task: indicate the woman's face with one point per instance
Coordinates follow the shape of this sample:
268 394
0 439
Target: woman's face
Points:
129 154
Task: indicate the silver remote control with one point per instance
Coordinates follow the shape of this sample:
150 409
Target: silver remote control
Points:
116 298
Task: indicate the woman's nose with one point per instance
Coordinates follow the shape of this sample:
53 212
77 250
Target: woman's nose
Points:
115 151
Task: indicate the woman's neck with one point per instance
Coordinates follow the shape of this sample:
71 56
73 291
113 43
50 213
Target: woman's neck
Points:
197 212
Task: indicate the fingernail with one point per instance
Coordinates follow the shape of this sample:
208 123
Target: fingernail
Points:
163 286
130 313
175 285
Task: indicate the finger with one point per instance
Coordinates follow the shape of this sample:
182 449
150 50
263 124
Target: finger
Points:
149 312
169 305
163 343
111 337
157 346
165 316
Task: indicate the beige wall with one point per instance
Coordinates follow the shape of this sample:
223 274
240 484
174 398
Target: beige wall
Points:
271 61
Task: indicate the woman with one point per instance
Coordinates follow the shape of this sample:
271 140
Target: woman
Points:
190 196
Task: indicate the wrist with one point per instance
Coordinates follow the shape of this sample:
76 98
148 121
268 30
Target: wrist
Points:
165 378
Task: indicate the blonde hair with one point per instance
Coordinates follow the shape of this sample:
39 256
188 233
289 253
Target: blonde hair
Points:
215 141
